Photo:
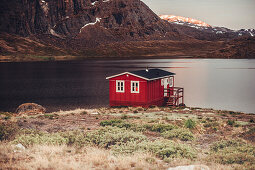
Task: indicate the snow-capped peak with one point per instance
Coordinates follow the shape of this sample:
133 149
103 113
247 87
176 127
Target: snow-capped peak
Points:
180 19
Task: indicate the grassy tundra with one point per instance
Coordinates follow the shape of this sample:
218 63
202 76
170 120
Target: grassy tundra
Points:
128 138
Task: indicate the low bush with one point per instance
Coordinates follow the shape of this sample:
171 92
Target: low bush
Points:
109 136
115 122
231 122
251 130
163 149
211 124
31 137
182 134
233 152
40 139
190 124
122 124
168 149
160 127
8 130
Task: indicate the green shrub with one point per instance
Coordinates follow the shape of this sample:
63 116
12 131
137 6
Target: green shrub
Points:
115 122
251 130
168 149
122 124
31 137
233 152
126 148
8 130
160 127
190 124
160 148
84 113
231 122
74 138
182 134
42 138
234 113
211 124
224 144
109 136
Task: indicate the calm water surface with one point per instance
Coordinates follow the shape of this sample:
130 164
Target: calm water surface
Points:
208 83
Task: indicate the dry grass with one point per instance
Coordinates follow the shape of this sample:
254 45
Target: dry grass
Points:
64 157
211 125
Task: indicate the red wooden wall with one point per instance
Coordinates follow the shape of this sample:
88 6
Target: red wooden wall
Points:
127 98
150 92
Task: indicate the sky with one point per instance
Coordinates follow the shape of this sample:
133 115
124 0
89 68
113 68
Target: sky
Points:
233 14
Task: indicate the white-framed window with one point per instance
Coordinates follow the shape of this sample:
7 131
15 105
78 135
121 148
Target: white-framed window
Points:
171 82
162 82
135 87
120 86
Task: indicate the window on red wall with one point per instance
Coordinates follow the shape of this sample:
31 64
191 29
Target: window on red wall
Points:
120 86
135 87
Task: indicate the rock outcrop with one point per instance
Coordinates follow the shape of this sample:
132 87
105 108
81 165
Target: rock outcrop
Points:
30 109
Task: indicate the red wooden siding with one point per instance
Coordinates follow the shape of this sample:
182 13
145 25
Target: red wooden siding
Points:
128 98
150 92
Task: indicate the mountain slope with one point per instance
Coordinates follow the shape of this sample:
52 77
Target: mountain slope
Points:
108 28
122 19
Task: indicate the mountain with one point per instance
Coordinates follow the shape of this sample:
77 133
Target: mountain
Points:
201 30
115 19
71 29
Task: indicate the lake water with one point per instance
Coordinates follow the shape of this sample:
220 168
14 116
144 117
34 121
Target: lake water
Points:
227 84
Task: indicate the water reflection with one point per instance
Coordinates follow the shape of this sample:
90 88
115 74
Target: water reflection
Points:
210 83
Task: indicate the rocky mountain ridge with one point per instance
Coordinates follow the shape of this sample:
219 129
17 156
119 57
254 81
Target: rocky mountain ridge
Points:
219 32
81 27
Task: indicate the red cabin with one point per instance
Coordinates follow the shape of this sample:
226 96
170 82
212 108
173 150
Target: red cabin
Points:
144 88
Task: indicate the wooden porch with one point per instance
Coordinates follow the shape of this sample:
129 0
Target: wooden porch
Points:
174 96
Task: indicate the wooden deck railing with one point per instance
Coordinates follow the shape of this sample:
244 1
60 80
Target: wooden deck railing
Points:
174 96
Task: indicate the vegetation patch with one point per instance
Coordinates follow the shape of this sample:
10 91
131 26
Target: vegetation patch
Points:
182 134
109 136
5 115
123 124
168 149
191 124
163 149
8 130
233 152
160 127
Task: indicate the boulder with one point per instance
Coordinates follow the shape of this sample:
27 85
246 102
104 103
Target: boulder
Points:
30 109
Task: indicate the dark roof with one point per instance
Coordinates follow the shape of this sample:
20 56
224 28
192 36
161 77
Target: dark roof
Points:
152 73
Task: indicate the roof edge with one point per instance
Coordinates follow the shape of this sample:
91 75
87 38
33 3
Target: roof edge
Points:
107 78
126 73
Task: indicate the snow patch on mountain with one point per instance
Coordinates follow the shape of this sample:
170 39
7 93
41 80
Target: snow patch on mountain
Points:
181 20
92 23
202 26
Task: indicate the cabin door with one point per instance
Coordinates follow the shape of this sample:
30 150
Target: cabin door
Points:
166 82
